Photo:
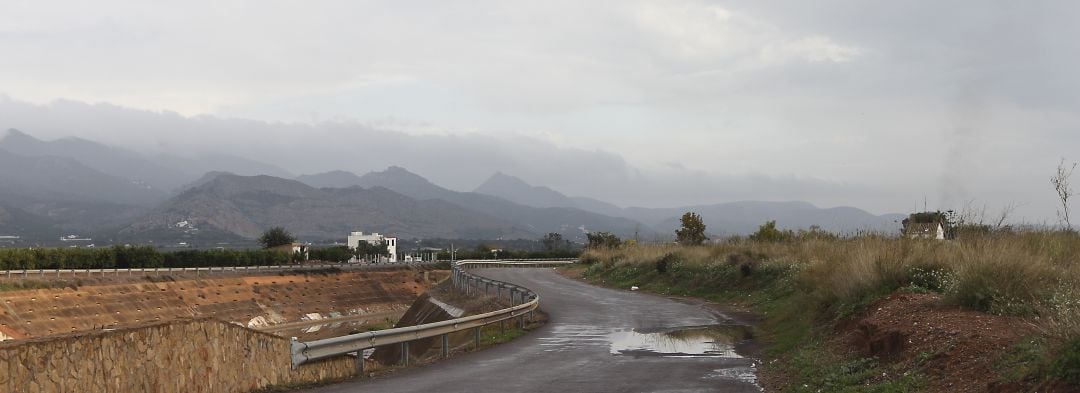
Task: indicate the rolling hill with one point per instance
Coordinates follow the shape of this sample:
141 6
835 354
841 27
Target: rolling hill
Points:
236 206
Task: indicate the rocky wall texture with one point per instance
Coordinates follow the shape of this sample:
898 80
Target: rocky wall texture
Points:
196 355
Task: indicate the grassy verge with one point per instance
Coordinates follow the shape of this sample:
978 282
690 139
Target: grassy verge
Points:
805 288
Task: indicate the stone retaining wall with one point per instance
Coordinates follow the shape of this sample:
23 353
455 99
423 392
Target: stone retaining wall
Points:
196 355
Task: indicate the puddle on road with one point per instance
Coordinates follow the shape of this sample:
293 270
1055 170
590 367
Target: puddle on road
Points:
717 340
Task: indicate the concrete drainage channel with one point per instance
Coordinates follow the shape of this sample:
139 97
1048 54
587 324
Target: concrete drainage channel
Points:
523 302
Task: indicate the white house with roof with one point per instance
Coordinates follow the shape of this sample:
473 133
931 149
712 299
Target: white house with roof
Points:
374 238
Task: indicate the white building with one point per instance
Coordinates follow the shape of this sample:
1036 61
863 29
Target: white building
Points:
374 238
925 231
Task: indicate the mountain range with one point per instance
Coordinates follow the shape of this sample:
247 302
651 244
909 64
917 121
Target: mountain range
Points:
74 185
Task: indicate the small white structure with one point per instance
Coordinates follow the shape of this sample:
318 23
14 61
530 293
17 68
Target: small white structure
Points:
374 238
291 249
925 230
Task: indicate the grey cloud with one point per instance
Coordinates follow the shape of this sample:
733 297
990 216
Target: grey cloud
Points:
839 102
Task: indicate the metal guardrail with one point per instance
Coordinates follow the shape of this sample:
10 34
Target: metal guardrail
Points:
199 270
523 301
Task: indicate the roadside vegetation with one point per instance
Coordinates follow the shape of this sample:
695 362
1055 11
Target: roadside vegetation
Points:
807 284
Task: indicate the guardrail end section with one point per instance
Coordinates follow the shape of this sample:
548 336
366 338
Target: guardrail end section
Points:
297 351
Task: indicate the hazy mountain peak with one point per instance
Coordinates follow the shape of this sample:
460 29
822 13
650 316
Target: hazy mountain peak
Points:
398 174
20 142
501 179
517 190
13 133
331 179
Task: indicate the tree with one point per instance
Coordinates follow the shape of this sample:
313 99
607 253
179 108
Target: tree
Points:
692 232
603 240
552 240
364 249
768 232
276 236
1060 181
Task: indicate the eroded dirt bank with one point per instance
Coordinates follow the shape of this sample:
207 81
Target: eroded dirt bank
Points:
254 301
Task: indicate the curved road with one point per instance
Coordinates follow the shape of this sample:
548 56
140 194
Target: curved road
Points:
578 349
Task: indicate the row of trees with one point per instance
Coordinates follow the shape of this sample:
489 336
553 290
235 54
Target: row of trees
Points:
121 257
343 254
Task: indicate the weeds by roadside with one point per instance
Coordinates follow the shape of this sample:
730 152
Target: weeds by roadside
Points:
809 285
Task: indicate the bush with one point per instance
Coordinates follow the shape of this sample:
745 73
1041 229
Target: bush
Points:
663 263
1067 365
746 262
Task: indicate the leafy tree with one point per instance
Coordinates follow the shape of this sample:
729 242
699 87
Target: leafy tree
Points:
768 232
552 240
603 240
366 250
692 232
276 236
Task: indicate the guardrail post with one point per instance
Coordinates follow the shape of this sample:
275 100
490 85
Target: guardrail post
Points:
359 364
477 338
445 345
405 353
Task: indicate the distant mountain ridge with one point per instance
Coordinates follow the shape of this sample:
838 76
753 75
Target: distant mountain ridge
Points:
243 206
332 179
50 178
732 218
163 173
80 186
572 223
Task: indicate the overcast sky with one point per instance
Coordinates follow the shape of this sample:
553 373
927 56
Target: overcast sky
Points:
868 104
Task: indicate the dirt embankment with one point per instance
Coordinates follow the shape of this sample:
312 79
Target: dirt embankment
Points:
959 350
253 301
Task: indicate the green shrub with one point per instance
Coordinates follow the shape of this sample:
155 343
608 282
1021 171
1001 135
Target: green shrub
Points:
1066 366
662 264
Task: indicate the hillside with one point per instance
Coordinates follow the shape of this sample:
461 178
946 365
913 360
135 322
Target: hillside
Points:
244 206
332 179
113 161
572 223
721 219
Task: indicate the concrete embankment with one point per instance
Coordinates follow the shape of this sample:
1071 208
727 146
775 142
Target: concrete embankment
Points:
438 304
254 301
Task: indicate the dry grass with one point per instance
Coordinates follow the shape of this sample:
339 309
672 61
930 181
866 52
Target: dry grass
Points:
1035 275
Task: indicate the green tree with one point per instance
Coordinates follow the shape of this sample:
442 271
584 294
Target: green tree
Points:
276 236
365 250
552 240
692 232
603 240
768 232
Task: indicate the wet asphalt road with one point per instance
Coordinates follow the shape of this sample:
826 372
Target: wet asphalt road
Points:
572 352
